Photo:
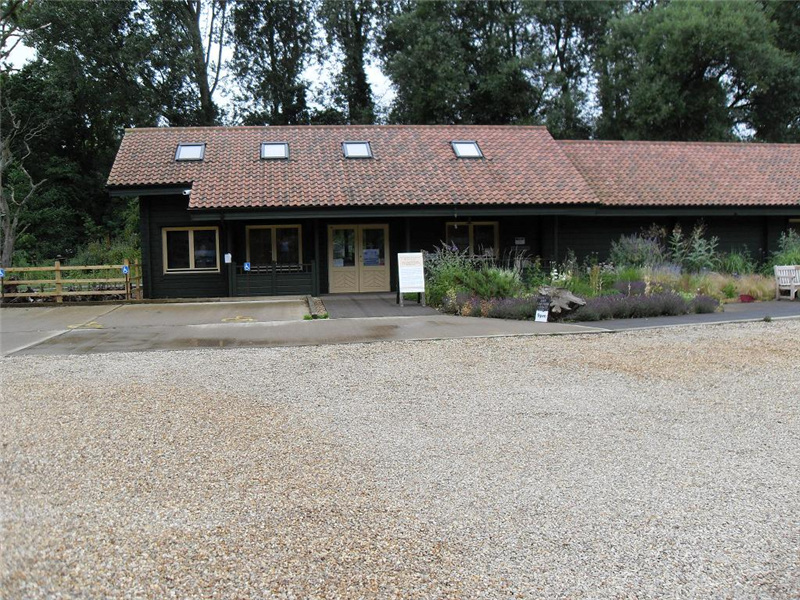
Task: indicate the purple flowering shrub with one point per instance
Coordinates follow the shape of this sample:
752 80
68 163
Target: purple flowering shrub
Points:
703 304
630 307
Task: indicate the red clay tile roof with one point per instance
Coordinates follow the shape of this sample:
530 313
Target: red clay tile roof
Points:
412 165
689 173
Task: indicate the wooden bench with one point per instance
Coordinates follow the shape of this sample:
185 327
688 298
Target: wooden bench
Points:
787 279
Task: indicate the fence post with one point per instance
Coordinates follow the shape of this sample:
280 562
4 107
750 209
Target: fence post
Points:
127 263
274 279
59 287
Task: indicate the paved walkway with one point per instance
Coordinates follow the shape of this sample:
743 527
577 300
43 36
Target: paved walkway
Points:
349 306
80 329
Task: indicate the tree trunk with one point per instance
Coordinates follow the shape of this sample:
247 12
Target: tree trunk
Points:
9 240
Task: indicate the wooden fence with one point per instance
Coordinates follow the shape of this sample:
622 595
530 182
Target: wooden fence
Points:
78 282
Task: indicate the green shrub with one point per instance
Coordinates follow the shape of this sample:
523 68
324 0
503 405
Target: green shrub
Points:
636 251
729 290
694 252
629 274
102 253
444 270
788 252
491 282
737 262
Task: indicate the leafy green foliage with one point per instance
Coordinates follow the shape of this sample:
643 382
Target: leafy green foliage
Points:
737 262
272 47
491 282
694 252
692 70
788 252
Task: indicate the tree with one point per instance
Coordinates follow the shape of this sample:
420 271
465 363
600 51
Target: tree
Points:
461 62
571 34
776 108
17 185
272 44
180 22
689 71
348 24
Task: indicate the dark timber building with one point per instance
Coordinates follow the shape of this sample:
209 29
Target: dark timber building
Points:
324 209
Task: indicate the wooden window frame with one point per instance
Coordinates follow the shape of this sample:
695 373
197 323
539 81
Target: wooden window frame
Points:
274 239
192 269
470 225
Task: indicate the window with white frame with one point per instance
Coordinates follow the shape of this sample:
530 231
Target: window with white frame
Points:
357 149
274 150
187 152
281 244
478 238
190 249
466 149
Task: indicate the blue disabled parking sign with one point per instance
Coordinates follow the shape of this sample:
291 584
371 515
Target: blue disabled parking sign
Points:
126 269
246 266
2 273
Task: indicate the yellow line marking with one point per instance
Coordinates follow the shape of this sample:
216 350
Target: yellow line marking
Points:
89 325
238 319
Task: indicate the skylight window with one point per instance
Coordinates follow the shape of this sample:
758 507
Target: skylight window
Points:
356 150
466 149
190 152
274 150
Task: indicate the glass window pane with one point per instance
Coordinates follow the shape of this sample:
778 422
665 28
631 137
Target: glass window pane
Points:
190 152
287 245
344 247
260 246
467 149
274 150
483 239
373 248
458 236
357 150
205 249
177 250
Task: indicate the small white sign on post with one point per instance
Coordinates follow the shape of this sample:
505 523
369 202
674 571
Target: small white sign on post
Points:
542 309
411 274
228 258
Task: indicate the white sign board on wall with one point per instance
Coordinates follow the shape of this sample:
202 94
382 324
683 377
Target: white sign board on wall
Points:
411 272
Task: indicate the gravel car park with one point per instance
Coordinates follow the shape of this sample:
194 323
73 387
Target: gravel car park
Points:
640 465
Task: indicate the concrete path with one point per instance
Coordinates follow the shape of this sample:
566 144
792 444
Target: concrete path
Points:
80 329
24 327
131 337
350 306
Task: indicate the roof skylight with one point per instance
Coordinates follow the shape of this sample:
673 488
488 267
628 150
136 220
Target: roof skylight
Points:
466 149
190 152
274 150
356 150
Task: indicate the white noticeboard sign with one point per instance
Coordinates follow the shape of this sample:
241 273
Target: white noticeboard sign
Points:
411 272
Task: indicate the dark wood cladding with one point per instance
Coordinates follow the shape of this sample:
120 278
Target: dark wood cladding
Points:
549 236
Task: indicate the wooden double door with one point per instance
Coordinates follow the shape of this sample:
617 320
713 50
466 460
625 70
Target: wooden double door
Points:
358 258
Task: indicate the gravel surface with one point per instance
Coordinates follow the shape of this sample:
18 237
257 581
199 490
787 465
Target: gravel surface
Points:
631 465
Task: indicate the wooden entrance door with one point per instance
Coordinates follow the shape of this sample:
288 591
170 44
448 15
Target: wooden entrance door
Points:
358 258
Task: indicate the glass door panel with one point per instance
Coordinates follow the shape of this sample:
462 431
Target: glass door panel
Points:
287 245
373 247
344 247
483 238
260 246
